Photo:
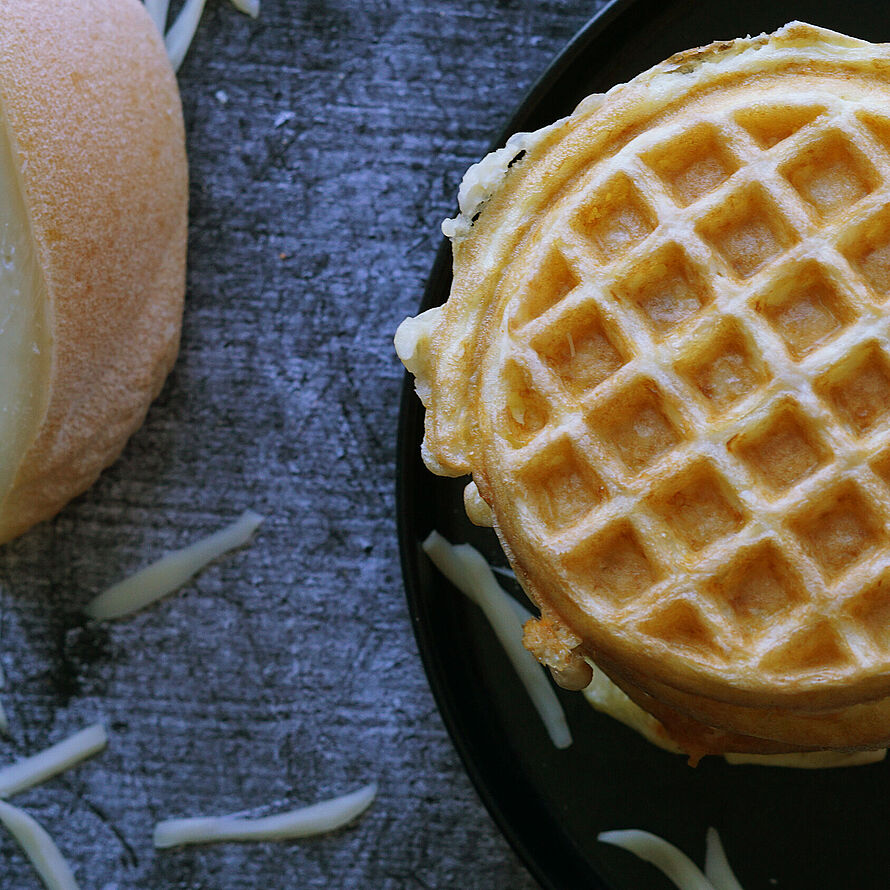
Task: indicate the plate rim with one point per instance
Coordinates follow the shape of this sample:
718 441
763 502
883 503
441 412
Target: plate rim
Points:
613 22
522 838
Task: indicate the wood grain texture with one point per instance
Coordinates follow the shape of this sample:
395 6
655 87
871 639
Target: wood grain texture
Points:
327 140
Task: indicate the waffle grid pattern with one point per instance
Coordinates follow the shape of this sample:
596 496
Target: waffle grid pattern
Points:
747 441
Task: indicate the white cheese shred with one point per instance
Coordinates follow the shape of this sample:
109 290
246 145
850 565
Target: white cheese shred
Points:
507 573
717 869
606 697
318 818
39 847
674 863
157 9
179 38
248 7
38 768
467 570
169 573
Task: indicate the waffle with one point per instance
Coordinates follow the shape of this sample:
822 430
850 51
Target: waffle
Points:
665 361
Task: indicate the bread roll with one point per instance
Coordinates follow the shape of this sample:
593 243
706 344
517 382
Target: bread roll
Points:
93 224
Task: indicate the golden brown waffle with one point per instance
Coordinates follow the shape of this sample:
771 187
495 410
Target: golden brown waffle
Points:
666 363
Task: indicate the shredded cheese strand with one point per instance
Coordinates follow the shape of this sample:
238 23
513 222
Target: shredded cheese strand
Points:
169 573
717 868
39 847
602 694
57 758
157 9
249 7
182 32
318 818
674 863
507 573
179 38
467 570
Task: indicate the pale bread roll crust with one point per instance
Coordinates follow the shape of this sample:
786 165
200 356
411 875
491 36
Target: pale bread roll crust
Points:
93 115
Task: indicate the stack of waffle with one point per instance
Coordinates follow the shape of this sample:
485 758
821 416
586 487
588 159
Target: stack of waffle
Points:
665 361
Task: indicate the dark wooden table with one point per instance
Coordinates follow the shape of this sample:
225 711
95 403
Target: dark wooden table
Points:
327 140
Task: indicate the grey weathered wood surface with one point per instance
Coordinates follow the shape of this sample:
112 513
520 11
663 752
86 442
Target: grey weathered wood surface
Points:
327 140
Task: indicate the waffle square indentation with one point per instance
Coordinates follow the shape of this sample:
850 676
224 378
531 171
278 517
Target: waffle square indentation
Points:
881 466
805 307
582 349
878 126
667 288
811 649
726 368
615 218
768 125
871 610
843 528
681 626
867 247
760 585
553 281
783 450
831 174
693 163
749 231
614 563
699 506
561 486
525 410
638 425
858 389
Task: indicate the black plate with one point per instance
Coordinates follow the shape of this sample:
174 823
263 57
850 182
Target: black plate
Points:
790 829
